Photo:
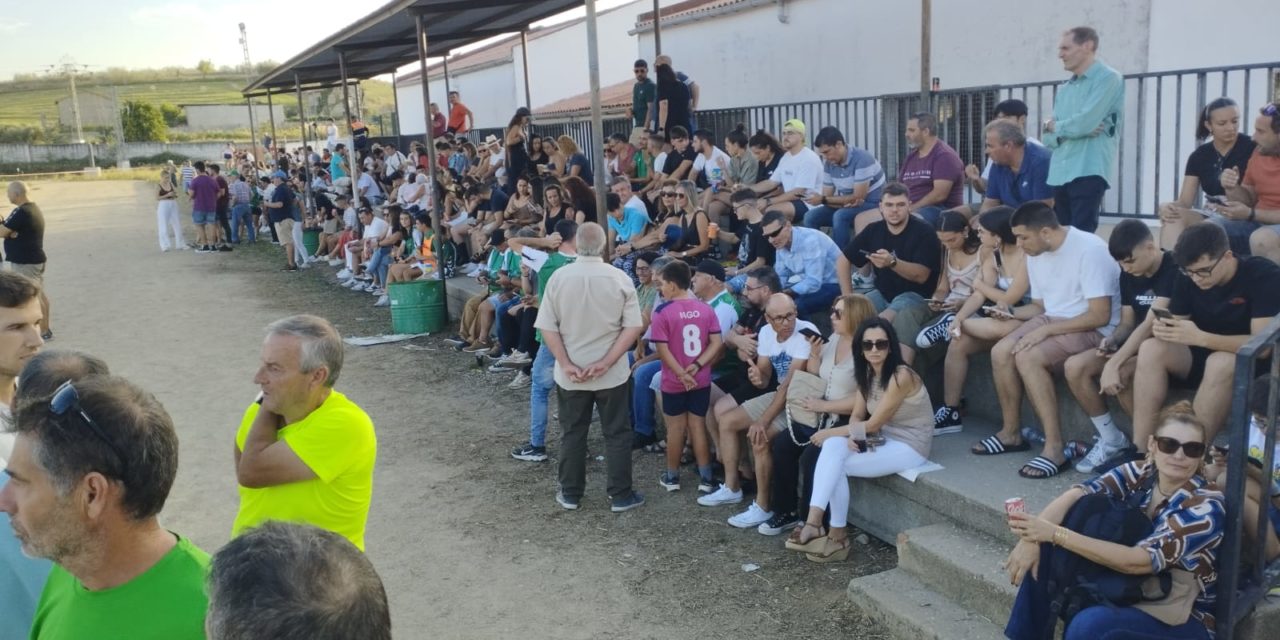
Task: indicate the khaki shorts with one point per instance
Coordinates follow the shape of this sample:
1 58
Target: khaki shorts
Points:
1056 349
33 271
284 229
756 407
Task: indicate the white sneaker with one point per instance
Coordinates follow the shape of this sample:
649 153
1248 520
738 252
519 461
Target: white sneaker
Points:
753 517
723 495
1099 454
358 285
333 262
383 301
345 273
521 381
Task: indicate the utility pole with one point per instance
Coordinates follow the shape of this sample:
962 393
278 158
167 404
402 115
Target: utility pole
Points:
121 161
69 67
248 75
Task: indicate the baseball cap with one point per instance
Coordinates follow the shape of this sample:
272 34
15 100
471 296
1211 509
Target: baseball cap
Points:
712 268
280 174
794 124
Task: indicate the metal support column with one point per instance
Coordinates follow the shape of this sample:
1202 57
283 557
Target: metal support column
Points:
353 163
433 167
657 29
253 134
271 113
524 55
308 204
395 106
447 90
597 123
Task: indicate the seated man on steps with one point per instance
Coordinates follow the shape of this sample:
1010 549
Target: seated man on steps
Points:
1075 304
1146 280
1219 301
805 261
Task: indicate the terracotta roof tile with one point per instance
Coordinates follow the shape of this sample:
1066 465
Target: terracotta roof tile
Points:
615 97
688 7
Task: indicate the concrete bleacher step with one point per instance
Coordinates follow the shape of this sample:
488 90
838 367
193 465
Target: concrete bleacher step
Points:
965 565
907 609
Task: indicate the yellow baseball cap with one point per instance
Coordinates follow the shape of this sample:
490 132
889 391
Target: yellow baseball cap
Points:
795 124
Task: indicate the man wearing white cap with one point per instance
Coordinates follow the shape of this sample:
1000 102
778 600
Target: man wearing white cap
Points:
798 176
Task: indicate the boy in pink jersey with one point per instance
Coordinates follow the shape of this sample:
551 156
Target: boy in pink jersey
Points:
687 335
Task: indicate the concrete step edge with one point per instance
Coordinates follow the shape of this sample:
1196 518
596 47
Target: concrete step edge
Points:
907 609
964 565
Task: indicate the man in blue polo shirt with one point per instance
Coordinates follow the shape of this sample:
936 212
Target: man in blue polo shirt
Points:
1083 131
852 180
1018 170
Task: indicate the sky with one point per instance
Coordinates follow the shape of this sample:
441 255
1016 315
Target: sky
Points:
140 34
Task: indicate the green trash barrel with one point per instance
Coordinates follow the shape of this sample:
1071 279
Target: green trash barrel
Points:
310 241
417 306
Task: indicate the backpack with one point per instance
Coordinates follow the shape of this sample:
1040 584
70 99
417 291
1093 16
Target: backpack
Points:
1075 583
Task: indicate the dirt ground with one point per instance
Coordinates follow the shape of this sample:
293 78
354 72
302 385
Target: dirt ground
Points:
469 543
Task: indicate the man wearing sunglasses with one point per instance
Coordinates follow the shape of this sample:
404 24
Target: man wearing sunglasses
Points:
90 472
1219 301
805 260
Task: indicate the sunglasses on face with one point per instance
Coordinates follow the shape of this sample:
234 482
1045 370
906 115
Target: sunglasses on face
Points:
66 401
773 234
682 196
835 311
668 194
875 345
1170 446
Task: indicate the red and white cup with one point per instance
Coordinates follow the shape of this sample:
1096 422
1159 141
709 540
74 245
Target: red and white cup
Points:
1015 505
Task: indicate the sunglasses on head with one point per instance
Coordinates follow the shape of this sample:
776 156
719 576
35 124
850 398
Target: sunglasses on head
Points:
875 345
1170 446
66 401
1271 110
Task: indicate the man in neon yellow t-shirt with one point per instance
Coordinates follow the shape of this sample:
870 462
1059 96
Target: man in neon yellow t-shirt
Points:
304 452
90 471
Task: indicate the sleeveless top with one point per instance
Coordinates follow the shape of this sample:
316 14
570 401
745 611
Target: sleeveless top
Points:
550 220
165 193
961 280
1004 280
517 162
690 238
912 423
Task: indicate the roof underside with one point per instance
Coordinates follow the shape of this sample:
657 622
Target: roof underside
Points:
386 39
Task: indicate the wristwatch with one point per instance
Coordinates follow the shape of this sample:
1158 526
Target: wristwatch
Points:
894 263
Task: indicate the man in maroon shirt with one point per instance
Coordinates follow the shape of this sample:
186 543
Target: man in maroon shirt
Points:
933 171
204 208
224 208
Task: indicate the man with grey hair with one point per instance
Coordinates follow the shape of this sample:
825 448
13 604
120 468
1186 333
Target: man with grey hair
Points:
1018 170
295 582
590 318
932 171
90 472
23 233
304 452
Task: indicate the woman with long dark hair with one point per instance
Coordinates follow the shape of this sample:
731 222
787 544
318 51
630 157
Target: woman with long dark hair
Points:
890 405
582 198
673 101
767 151
960 246
556 209
537 156
517 154
1226 148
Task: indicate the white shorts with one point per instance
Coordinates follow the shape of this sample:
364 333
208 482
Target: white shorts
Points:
460 221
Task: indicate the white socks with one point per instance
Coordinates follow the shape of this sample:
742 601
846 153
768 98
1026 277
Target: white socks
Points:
1108 432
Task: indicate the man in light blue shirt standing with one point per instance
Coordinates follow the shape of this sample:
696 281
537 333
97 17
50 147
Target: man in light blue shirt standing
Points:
805 262
1084 130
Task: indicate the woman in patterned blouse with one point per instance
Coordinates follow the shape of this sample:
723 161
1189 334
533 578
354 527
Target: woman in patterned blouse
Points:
1188 516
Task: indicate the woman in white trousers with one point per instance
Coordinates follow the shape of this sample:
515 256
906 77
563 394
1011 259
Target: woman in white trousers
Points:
167 214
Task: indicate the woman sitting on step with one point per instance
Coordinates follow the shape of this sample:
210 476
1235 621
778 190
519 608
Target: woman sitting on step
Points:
1187 517
891 406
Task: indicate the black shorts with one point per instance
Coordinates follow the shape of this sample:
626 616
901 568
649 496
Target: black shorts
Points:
696 402
745 390
1195 375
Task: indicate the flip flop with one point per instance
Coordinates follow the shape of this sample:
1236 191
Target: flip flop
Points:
1047 468
992 446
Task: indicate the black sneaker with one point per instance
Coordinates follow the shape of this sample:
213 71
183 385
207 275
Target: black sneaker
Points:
640 441
947 420
779 523
456 341
529 453
627 502
570 504
224 247
707 485
204 248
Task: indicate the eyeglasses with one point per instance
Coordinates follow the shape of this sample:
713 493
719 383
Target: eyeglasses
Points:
835 311
1202 273
66 400
774 233
682 196
668 194
751 288
875 345
786 317
1170 446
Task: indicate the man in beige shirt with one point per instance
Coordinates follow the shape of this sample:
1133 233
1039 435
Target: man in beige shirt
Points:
589 318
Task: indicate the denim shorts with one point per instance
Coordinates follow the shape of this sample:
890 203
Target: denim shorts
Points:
204 217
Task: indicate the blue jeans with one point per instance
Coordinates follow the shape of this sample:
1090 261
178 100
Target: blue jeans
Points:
840 220
544 382
380 263
500 311
930 214
642 413
242 213
819 300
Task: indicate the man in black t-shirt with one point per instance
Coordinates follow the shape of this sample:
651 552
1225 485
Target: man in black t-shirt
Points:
904 253
680 160
1219 302
754 250
1147 279
280 214
23 233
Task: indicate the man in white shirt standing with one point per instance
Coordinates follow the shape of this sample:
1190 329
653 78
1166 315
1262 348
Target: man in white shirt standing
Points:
798 176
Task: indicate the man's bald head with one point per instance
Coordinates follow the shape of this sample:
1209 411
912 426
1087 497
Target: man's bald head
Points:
779 304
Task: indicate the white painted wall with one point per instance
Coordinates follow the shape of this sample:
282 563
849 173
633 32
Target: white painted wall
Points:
229 116
558 62
489 92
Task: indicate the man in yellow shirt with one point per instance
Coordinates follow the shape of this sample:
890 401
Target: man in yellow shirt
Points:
304 452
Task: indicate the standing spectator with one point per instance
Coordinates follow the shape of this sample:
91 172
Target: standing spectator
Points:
1019 169
690 86
797 176
91 469
1087 111
167 213
852 181
304 452
188 174
241 214
224 208
1220 301
359 134
673 101
331 135
933 171
439 124
1075 305
905 256
1224 147
461 120
589 318
338 164
1260 189
805 262
204 208
23 233
280 214
295 582
643 93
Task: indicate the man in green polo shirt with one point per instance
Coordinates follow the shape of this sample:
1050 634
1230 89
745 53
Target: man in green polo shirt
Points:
90 472
1084 130
642 95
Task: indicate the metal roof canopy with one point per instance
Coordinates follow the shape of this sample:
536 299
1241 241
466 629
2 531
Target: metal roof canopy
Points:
386 39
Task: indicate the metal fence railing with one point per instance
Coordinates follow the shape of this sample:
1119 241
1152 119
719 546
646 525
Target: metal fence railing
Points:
1245 578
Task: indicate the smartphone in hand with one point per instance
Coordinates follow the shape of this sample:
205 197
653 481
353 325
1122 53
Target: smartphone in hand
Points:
1161 314
810 333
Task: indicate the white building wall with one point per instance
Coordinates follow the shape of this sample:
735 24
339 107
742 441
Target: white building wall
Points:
229 116
489 92
558 62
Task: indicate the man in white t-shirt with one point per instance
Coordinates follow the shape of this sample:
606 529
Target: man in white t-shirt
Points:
798 176
369 189
393 160
359 251
712 164
1075 288
331 135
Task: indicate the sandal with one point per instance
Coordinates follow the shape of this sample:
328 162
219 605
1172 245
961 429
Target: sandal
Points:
831 551
811 545
992 446
1041 467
